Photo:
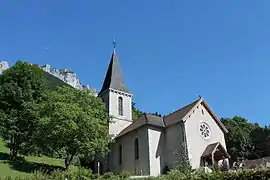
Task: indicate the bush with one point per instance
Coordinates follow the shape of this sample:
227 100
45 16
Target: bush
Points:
108 175
184 165
85 174
239 175
76 161
80 173
124 175
175 174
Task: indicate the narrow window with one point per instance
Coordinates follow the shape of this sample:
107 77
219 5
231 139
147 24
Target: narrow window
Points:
202 112
120 154
136 148
120 106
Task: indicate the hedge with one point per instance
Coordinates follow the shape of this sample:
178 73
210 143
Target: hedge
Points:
262 174
83 174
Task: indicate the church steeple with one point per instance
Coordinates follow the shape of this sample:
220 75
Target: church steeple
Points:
116 96
114 78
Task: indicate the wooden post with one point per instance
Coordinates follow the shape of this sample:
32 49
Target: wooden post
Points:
98 165
213 160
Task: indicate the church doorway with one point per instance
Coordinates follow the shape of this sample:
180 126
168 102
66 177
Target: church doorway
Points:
213 153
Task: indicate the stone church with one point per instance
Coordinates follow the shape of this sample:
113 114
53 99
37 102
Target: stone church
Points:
151 144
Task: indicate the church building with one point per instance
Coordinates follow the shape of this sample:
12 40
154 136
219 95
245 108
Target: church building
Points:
151 144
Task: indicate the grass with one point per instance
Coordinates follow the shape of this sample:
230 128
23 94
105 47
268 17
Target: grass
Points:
25 165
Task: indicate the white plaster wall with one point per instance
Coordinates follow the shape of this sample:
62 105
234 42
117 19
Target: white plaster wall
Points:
156 145
197 144
128 153
117 125
174 145
127 105
119 122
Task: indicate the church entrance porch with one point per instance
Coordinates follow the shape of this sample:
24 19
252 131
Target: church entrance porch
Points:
213 154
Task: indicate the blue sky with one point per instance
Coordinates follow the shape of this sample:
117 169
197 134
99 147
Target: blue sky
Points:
169 51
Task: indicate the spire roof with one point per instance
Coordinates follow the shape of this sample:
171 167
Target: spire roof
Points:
114 78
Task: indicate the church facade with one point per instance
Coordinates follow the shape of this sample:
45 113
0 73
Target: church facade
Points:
151 144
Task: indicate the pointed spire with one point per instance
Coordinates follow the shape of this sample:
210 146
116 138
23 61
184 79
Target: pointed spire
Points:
114 44
114 78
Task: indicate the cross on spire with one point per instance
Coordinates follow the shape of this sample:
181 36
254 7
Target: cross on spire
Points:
114 43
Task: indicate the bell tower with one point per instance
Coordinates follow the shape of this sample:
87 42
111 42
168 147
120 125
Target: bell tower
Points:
117 97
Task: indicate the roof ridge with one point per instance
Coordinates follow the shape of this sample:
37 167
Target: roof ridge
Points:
146 118
184 107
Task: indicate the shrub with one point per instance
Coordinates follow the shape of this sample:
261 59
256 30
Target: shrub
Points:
84 174
184 165
175 174
39 176
124 175
108 175
76 161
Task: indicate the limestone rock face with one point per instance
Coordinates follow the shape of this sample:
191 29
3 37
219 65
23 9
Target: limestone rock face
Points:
3 66
66 75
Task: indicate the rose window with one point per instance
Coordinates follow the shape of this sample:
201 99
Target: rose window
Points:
205 130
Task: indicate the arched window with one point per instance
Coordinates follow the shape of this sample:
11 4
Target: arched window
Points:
120 154
120 106
136 144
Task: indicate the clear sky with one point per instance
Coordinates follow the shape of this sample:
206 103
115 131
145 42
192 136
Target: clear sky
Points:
169 51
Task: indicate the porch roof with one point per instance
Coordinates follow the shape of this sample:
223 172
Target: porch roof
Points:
215 149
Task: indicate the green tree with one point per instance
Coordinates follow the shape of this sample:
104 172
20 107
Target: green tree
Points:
238 139
136 113
260 137
22 88
73 123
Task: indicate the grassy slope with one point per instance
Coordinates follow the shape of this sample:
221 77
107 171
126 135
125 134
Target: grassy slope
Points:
27 166
53 81
30 163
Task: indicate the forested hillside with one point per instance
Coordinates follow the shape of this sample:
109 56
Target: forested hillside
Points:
246 140
52 81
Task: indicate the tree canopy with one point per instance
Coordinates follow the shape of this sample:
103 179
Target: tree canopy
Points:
246 140
260 138
42 115
22 87
136 113
73 123
238 139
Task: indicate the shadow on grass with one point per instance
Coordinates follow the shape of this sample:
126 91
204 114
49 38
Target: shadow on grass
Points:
3 156
20 164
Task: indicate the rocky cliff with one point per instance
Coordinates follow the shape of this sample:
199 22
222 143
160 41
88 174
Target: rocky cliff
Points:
3 66
66 75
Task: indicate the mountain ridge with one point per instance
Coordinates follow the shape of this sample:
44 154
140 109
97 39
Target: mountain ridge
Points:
56 77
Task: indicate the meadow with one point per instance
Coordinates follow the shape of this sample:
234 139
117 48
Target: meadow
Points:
25 166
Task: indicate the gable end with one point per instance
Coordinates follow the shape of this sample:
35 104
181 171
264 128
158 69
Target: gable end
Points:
212 114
